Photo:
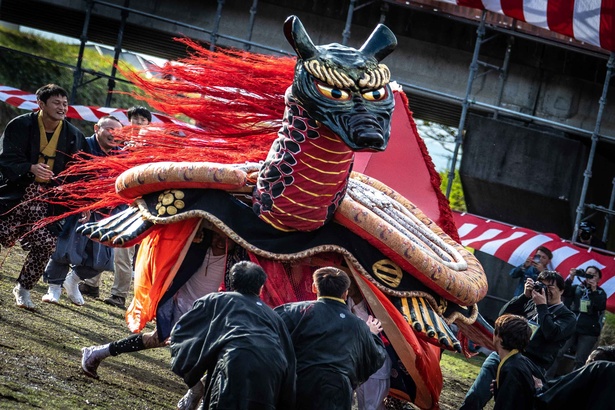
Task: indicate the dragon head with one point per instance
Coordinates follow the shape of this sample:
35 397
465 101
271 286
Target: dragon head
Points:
345 89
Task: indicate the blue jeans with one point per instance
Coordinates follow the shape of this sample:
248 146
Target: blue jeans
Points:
480 391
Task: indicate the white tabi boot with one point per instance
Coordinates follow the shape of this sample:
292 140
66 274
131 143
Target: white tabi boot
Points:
22 297
193 398
71 284
53 294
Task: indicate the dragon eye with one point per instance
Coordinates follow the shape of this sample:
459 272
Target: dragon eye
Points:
375 95
333 93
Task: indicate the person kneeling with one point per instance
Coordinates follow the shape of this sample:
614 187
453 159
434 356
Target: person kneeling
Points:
240 343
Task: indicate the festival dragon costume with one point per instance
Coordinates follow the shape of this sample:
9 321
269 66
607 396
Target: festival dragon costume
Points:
302 206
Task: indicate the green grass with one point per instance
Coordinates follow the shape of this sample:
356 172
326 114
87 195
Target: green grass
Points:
460 366
607 337
40 354
459 374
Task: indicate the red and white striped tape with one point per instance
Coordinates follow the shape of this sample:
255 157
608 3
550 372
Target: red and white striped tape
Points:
590 21
27 101
514 244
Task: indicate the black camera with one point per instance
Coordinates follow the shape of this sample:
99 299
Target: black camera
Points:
585 235
586 230
580 273
539 286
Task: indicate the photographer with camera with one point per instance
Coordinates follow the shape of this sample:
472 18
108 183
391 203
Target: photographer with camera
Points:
586 235
552 325
537 262
588 301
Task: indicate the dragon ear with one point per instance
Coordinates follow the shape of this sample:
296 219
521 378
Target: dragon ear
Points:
380 43
298 38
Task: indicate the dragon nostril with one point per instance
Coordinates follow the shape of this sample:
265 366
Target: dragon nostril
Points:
367 132
369 139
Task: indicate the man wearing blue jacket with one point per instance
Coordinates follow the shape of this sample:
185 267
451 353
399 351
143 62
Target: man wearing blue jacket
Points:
85 258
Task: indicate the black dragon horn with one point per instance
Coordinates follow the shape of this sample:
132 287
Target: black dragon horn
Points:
380 43
298 38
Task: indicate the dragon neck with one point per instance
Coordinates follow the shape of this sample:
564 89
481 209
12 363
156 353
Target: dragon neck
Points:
305 175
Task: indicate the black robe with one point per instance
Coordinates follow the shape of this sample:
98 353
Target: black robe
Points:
20 148
242 345
589 387
516 389
335 352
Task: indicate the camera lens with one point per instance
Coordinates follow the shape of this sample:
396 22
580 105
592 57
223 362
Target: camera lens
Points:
585 235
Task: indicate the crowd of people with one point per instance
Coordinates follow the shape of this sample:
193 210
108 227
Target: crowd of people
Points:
234 351
35 148
536 332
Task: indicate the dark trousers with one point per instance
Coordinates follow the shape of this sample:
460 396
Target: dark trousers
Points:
582 345
56 272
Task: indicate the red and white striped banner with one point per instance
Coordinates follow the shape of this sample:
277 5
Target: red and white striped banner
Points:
590 21
513 244
27 101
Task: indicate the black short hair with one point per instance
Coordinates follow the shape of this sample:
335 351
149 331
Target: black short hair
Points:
331 281
552 276
139 110
587 226
606 353
50 90
597 270
247 278
514 331
545 251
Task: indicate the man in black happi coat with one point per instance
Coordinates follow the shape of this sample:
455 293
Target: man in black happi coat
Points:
34 149
241 344
336 351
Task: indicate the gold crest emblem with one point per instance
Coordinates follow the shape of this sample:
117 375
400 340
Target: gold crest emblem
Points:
170 202
387 271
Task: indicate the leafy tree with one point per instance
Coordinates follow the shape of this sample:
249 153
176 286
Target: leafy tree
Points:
442 134
456 198
20 68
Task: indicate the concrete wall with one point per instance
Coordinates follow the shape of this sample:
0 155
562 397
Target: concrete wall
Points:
524 176
501 286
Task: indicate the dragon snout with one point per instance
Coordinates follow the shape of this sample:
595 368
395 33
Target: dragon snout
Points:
371 139
367 133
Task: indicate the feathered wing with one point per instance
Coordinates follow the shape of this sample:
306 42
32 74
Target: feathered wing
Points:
232 103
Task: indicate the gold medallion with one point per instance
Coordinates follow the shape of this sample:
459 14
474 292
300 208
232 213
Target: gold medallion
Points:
387 271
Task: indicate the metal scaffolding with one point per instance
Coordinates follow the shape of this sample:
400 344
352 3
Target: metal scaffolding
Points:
466 102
